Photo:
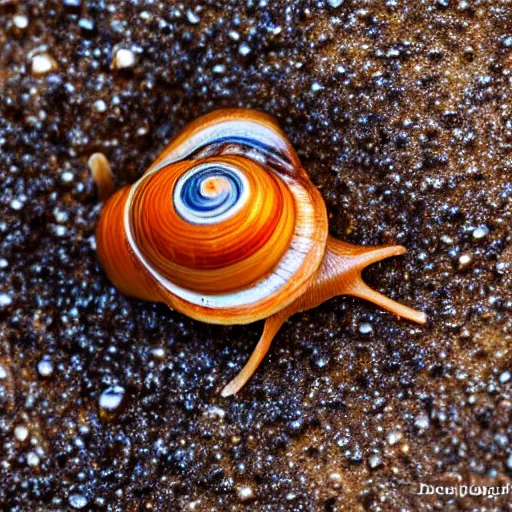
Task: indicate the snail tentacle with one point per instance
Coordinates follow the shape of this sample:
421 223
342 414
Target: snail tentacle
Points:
272 326
349 262
340 274
102 175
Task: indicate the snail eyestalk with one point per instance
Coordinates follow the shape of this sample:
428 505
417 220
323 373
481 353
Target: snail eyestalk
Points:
343 265
102 175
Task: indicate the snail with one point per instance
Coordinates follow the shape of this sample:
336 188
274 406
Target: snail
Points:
226 227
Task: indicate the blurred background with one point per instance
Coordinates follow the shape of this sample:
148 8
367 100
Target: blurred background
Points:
401 113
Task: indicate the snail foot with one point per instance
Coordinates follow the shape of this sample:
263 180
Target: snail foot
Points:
339 274
272 325
102 175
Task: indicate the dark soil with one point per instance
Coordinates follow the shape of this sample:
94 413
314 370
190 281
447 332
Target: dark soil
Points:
401 112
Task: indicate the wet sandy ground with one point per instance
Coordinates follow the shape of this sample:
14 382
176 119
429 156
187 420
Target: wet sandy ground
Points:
401 113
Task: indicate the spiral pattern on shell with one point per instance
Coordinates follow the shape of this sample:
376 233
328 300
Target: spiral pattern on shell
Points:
225 226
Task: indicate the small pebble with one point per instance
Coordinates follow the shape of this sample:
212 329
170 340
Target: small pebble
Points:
60 230
158 352
45 367
72 3
447 239
374 461
244 50
112 397
219 69
509 462
67 177
480 232
335 476
505 377
60 215
422 421
124 59
5 300
315 87
215 411
20 21
33 459
245 493
365 328
99 106
86 25
43 64
78 501
394 437
464 260
3 373
501 439
21 433
192 17
507 42
16 204
335 3
3 263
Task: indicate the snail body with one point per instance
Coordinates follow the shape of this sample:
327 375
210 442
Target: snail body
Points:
226 227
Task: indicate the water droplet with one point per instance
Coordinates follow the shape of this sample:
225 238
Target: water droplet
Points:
5 300
112 397
21 433
124 59
43 64
78 501
192 17
480 232
245 493
365 328
45 367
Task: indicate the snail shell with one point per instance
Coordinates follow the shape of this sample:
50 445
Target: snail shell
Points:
226 227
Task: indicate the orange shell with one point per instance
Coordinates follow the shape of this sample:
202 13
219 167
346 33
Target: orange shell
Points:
220 257
243 268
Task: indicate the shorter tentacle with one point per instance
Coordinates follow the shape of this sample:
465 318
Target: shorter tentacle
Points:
102 175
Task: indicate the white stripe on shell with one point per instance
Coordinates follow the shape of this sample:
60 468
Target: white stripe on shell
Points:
195 217
228 129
